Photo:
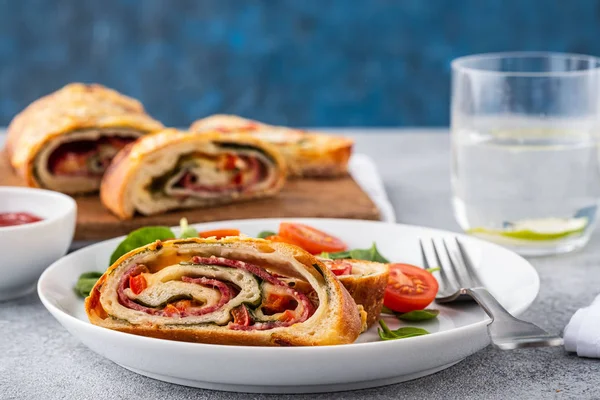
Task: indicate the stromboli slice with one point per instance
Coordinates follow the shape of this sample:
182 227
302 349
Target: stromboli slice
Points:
365 281
64 141
228 291
173 169
308 154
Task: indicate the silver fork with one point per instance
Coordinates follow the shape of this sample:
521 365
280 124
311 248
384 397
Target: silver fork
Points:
506 331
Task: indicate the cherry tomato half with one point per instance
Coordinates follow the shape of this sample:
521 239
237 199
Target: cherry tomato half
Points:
310 239
409 288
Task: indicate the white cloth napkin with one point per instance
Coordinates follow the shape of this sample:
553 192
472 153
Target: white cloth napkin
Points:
363 170
582 334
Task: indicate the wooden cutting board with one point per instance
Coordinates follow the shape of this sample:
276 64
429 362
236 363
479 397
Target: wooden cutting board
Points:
338 198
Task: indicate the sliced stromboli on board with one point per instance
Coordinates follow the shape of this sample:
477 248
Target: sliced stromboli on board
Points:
173 169
308 154
230 291
64 141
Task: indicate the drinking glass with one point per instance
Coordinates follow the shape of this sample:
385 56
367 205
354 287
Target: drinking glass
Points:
525 161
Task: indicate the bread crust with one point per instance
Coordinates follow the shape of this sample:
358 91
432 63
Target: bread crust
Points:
74 107
310 154
120 173
368 290
343 319
367 287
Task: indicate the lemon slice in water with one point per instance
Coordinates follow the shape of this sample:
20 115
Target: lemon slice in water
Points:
538 229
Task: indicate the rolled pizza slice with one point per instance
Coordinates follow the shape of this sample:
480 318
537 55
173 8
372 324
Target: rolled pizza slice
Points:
230 291
308 154
365 281
173 169
64 141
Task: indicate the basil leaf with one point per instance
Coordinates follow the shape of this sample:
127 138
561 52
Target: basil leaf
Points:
386 333
188 233
90 275
432 270
186 230
419 315
370 254
86 283
387 310
360 254
139 238
409 331
376 256
266 234
336 256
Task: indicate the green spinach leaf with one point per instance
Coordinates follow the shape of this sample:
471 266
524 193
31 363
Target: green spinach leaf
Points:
335 256
139 238
266 234
387 310
186 230
86 283
385 333
370 254
419 315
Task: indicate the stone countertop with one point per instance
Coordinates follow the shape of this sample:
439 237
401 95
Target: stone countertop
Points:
41 360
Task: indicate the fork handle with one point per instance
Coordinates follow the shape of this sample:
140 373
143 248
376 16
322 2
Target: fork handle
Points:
490 305
506 331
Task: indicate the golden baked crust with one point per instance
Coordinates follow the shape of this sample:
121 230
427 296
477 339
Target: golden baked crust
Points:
366 285
74 107
338 323
368 290
308 154
115 186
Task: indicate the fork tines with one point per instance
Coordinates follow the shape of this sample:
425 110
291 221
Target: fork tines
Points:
456 268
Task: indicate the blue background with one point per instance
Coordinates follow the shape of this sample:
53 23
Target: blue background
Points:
302 62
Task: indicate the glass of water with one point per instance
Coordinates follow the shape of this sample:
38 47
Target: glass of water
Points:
525 160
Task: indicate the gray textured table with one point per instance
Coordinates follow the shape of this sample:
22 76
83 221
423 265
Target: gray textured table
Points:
40 360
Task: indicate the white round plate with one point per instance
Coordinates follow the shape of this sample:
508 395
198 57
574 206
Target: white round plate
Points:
458 332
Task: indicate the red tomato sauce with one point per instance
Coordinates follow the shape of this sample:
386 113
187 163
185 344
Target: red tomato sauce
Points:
17 218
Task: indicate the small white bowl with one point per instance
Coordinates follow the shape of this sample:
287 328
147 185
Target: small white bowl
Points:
26 250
